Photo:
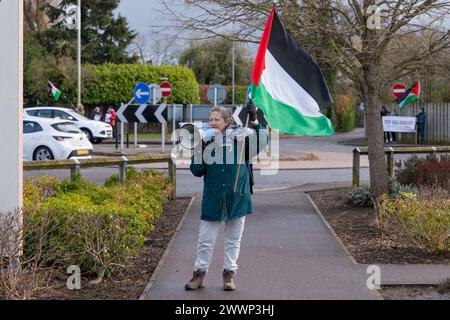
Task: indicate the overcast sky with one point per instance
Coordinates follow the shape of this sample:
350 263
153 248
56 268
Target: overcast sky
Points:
141 14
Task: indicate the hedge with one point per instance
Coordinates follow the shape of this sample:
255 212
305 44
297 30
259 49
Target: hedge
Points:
111 84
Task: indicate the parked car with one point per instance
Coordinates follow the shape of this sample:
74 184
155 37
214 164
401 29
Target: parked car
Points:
53 139
96 131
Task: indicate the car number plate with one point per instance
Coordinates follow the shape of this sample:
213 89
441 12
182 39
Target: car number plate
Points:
83 152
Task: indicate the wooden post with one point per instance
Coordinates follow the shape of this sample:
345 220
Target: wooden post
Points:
356 164
390 162
173 177
434 153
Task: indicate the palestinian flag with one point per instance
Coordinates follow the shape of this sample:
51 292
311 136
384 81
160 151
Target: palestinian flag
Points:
55 91
288 85
410 95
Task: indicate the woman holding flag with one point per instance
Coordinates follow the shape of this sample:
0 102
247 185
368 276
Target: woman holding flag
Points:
226 191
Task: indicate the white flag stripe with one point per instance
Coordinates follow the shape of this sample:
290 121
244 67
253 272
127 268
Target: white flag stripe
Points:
280 85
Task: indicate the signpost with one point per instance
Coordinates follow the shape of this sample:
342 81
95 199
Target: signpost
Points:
216 94
166 89
142 93
398 90
145 113
152 114
156 96
249 93
155 93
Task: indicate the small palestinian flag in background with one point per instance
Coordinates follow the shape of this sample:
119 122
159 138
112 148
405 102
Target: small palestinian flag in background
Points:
55 91
287 84
410 95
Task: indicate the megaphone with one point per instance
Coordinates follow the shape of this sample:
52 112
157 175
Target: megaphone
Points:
189 135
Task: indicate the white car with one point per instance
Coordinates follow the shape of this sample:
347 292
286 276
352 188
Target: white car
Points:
53 139
96 131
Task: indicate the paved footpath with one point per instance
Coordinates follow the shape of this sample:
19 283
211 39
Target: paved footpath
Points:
287 252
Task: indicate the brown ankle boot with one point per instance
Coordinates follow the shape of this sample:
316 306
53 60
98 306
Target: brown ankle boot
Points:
228 281
196 281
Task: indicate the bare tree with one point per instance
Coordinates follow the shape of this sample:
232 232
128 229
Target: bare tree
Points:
361 39
156 49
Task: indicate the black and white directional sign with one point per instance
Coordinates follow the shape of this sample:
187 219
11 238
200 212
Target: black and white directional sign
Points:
152 113
240 116
142 113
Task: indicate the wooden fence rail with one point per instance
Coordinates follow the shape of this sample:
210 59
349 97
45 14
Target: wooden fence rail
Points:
75 165
390 151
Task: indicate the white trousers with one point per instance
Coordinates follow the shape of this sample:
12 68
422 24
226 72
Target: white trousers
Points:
207 236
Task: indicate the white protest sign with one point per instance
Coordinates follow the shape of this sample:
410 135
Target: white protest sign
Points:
399 124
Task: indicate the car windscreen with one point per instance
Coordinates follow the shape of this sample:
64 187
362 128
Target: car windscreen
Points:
66 127
78 115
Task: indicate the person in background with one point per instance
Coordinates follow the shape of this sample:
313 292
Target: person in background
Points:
110 117
387 135
421 121
394 134
80 109
97 114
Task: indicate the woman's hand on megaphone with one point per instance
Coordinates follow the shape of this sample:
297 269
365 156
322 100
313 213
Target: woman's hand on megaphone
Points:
209 133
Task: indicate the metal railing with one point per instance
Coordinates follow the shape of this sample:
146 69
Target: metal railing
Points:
75 165
390 151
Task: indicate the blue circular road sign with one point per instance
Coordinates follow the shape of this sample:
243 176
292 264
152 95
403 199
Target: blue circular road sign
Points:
142 93
249 94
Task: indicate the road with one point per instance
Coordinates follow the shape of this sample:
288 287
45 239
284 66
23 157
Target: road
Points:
324 147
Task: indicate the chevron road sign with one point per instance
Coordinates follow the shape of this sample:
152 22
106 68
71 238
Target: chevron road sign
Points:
143 113
152 113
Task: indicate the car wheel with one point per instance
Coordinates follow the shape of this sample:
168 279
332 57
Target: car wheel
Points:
97 140
42 154
88 134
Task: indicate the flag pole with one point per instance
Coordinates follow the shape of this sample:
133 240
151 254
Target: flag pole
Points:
68 100
240 157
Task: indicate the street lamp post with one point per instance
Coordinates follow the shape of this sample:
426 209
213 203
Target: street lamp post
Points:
232 76
232 68
79 52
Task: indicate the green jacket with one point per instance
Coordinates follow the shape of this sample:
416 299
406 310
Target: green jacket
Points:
220 202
